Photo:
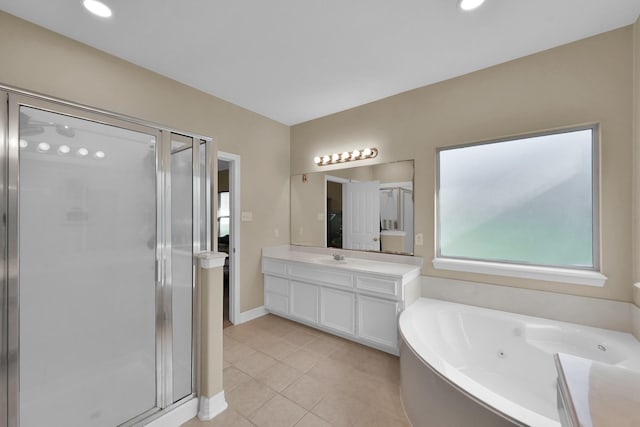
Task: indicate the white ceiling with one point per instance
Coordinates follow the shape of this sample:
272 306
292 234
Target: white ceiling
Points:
296 60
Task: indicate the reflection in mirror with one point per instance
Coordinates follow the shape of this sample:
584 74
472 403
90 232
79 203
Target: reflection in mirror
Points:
364 208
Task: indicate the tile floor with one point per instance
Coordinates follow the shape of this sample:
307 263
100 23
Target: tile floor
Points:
280 373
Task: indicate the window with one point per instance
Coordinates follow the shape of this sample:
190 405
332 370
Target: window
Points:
529 202
223 214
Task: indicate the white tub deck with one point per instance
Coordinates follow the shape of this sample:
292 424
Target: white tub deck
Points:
504 360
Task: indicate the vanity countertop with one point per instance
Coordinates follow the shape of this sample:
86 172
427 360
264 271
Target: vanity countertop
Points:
394 265
598 394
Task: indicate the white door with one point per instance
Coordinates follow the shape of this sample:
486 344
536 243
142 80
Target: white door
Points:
361 215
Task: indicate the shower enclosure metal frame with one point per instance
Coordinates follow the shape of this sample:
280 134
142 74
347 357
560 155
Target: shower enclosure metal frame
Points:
10 102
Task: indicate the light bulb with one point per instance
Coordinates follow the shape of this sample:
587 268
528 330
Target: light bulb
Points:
366 152
64 149
345 155
326 159
335 157
43 146
355 154
82 152
97 8
24 143
470 4
99 155
317 160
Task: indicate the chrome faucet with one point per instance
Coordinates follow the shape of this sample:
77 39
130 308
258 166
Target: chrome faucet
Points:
338 256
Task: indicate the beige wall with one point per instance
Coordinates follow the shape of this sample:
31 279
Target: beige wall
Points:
636 158
39 60
584 82
636 151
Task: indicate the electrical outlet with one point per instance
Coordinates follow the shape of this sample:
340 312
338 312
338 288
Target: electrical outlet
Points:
276 232
419 239
247 216
320 216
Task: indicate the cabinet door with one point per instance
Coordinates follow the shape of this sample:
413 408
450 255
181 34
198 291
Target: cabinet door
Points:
276 294
276 303
378 321
304 301
337 310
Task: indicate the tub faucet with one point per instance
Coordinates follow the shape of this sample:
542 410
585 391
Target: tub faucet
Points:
338 257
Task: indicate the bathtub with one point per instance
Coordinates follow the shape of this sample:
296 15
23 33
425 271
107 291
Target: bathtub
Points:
462 365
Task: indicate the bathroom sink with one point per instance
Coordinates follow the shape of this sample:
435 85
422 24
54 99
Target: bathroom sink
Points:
359 264
330 261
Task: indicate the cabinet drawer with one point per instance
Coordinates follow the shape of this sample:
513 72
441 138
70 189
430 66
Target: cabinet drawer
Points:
276 303
275 267
381 286
322 275
276 285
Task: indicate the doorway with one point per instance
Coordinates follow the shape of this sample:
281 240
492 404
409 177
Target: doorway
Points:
228 223
333 209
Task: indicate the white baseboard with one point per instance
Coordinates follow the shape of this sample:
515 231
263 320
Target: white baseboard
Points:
210 407
177 416
254 313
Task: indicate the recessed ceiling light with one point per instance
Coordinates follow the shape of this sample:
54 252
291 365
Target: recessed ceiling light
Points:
82 151
470 4
43 146
97 8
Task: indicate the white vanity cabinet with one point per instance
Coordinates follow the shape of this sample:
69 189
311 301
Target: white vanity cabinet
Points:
356 299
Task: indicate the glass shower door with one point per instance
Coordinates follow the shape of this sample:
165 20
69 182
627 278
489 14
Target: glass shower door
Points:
189 230
182 264
87 271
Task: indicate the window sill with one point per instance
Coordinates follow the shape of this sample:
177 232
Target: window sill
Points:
550 274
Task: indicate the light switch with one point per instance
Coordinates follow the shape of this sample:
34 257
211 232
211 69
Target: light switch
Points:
320 216
276 232
247 216
419 239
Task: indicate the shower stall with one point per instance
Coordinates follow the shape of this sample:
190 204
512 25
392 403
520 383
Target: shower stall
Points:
101 217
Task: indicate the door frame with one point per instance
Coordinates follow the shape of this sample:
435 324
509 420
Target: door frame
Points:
234 230
329 178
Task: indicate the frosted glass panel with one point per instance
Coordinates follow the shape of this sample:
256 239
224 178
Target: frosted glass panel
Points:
181 266
87 272
204 199
528 200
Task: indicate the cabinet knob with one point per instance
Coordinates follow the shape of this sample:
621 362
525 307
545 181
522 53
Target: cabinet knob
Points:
375 239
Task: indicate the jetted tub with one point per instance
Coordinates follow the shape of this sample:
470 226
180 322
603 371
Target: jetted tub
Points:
462 365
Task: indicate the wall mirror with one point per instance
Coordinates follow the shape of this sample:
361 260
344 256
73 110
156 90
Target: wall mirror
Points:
364 208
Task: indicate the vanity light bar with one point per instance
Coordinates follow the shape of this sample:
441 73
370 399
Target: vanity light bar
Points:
347 156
